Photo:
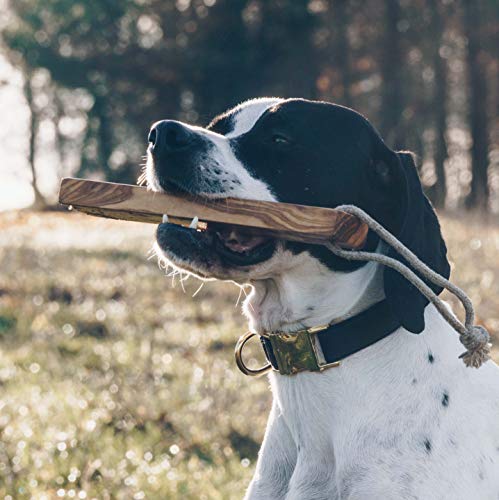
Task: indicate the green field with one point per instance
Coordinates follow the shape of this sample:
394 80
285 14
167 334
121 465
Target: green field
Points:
116 384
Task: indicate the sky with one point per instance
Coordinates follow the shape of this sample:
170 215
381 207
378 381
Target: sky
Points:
15 191
15 175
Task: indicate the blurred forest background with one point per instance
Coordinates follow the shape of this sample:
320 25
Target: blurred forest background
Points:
114 384
98 73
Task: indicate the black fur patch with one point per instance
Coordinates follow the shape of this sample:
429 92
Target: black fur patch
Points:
427 445
445 399
222 124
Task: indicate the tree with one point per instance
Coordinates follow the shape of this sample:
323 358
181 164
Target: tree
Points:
392 75
477 85
340 50
136 62
39 200
440 152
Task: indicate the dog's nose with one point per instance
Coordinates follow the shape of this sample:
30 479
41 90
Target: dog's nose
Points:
169 136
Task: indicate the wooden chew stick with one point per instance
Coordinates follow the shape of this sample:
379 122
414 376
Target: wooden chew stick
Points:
279 220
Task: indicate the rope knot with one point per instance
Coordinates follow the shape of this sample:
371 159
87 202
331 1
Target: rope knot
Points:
476 340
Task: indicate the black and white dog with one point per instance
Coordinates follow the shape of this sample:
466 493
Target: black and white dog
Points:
401 419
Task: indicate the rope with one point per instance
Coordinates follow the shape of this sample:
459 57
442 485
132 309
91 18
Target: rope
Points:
474 338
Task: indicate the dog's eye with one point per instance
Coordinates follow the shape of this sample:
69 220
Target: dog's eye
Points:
280 139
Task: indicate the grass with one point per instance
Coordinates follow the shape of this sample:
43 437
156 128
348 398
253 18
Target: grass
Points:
116 385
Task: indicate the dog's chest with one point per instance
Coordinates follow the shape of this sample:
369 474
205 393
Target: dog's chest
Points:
413 423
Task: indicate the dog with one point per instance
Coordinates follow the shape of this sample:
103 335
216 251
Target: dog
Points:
403 417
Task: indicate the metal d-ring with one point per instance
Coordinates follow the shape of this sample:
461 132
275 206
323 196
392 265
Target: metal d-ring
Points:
238 353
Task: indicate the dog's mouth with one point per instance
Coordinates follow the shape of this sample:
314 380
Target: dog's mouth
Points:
240 247
210 244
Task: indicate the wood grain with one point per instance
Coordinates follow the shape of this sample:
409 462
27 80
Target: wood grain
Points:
279 220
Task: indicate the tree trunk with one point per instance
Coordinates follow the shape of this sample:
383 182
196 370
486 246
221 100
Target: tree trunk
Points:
104 139
440 153
479 193
39 201
392 67
342 49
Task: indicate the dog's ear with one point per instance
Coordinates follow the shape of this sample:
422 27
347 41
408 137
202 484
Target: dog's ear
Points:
420 232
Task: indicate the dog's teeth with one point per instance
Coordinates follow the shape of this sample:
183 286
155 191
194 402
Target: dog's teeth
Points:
194 223
165 218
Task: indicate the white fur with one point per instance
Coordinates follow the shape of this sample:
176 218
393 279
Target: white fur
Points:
362 431
224 159
248 113
151 178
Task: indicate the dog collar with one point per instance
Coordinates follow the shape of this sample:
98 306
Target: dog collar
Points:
320 347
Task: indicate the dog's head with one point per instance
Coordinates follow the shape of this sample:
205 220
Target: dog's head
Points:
295 151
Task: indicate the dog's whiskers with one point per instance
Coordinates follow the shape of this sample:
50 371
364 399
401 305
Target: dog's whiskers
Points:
151 253
173 275
142 179
183 277
199 289
239 296
242 291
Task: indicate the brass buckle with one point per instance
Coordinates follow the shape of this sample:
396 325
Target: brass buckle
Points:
295 352
238 353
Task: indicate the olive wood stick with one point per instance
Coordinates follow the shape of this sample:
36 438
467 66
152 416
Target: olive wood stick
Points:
279 220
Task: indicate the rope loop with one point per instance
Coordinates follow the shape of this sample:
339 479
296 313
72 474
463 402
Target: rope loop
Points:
475 339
